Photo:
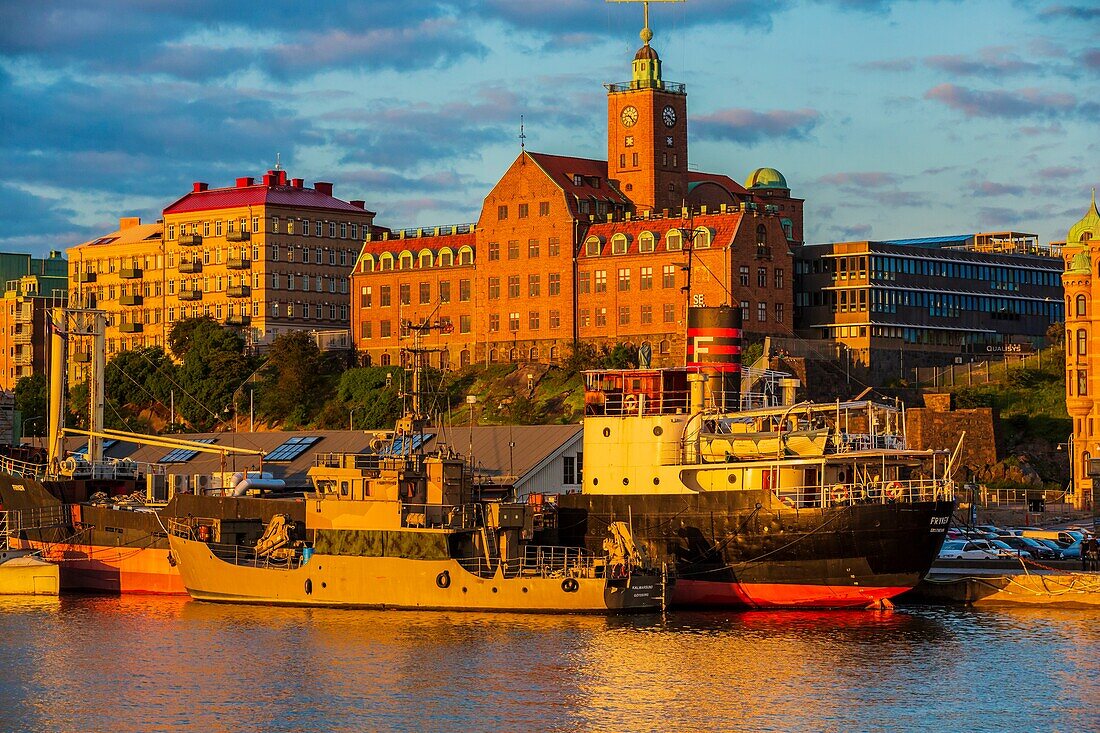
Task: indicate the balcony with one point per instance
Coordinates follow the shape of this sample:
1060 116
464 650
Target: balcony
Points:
763 252
238 263
191 267
242 236
238 320
239 291
23 357
190 240
83 357
130 273
127 327
85 277
190 295
131 300
22 333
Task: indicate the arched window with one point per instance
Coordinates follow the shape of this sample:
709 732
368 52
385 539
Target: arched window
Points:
593 246
1086 236
1080 306
464 358
533 354
1082 342
646 242
466 256
384 360
367 360
553 353
446 257
386 261
492 355
425 258
619 244
761 236
702 237
405 261
513 354
664 347
367 264
674 240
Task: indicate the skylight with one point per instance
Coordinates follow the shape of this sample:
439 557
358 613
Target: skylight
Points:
293 448
83 450
183 455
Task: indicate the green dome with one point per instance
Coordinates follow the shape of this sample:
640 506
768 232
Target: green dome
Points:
1089 226
766 178
1080 263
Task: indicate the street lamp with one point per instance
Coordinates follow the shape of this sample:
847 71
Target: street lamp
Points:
351 414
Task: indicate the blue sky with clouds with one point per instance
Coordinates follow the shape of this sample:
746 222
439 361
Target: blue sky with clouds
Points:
891 118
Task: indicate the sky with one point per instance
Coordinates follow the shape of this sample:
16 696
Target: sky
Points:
892 118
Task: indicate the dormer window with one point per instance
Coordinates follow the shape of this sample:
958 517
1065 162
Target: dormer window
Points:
578 179
593 246
619 244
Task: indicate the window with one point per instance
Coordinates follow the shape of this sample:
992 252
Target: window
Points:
619 244
668 276
533 286
582 318
445 291
553 283
647 314
601 281
533 320
464 324
494 251
275 224
761 277
778 312
646 242
384 330
743 272
555 319
365 330
544 208
569 470
494 322
701 238
1081 308
502 213
343 230
1082 382
673 240
584 283
624 315
317 227
331 230
218 228
255 225
494 288
592 247
425 293
624 280
553 246
513 286
463 291
1082 342
183 455
745 310
513 249
521 211
365 297
601 317
761 236
292 448
406 294
384 296
761 312
645 282
513 322
533 248
778 278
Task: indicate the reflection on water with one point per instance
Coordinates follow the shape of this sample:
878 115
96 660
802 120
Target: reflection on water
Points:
141 664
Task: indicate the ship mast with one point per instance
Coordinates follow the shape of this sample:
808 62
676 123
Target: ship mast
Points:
412 422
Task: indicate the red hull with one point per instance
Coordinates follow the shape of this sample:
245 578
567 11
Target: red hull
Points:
703 594
111 569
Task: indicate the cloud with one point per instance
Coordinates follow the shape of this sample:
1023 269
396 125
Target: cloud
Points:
868 179
989 188
1012 104
749 127
906 64
388 181
1056 172
1071 12
997 61
1091 59
34 223
853 233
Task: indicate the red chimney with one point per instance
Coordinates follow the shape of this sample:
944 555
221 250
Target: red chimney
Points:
297 182
282 178
199 186
358 204
323 187
245 181
270 178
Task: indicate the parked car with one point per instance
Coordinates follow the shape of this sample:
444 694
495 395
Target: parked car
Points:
1072 552
1036 548
967 550
1054 546
1006 550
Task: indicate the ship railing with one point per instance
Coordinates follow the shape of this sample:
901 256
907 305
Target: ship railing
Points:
854 442
538 561
191 529
22 469
870 492
441 516
39 517
674 402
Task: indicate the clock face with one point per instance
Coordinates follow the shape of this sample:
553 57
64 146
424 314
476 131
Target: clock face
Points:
629 116
669 116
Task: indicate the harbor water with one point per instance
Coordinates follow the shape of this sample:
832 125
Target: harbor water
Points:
151 664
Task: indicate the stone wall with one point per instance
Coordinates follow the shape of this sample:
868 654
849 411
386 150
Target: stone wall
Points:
938 426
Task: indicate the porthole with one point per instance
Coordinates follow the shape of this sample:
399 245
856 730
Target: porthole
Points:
494 589
463 589
656 481
324 584
658 430
732 478
607 432
524 589
595 482
626 481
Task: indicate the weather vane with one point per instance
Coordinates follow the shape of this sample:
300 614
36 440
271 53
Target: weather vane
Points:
522 137
646 34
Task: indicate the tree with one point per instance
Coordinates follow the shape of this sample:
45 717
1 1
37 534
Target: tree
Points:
141 377
183 333
32 399
1056 333
294 378
213 368
370 396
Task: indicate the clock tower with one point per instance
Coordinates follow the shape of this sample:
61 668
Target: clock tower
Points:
647 134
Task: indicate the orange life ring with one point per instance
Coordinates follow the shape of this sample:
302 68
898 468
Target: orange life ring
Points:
894 490
204 533
839 494
630 402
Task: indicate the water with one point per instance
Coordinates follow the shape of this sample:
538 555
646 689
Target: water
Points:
150 664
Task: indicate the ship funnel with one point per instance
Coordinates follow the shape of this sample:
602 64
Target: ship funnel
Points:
714 348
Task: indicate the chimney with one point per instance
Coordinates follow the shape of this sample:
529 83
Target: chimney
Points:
323 187
282 177
127 222
245 181
358 204
198 186
271 178
297 182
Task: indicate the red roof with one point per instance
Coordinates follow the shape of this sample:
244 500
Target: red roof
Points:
562 170
722 180
415 244
723 226
260 195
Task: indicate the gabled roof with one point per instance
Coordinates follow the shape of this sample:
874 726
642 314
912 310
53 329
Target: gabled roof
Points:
723 229
415 244
288 196
593 182
695 178
129 235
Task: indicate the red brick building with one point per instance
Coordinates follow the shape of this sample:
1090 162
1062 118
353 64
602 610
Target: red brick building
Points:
569 249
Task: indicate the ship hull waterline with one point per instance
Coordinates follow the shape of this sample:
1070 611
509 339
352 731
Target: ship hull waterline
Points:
746 549
104 569
342 581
